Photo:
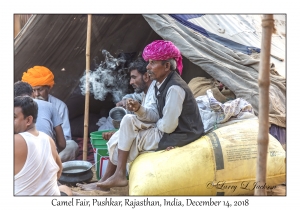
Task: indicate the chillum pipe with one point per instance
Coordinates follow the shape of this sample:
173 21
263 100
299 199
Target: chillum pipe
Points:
87 94
263 112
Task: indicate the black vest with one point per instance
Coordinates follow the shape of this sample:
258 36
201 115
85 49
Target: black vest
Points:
190 126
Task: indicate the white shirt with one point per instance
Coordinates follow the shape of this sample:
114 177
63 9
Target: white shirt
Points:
39 173
148 111
172 109
63 113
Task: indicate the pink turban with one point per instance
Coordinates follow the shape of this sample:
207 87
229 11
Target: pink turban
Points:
163 50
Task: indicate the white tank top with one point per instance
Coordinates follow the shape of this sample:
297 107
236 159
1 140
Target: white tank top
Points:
39 173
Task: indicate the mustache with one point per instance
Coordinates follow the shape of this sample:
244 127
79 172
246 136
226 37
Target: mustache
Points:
149 72
40 98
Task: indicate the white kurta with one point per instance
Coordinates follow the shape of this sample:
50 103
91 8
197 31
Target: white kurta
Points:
142 132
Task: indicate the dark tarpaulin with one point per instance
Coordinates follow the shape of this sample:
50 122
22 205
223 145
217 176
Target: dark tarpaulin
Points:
59 41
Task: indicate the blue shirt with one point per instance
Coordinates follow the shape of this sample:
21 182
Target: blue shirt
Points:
64 115
47 118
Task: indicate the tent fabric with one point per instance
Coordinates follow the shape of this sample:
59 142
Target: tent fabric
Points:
239 31
226 42
237 71
59 42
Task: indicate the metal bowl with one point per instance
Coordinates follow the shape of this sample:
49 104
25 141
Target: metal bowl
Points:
117 114
76 166
76 171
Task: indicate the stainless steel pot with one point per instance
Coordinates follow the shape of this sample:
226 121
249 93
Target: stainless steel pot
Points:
76 171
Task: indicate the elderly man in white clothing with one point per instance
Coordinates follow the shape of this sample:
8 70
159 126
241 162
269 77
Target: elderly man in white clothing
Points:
179 120
42 80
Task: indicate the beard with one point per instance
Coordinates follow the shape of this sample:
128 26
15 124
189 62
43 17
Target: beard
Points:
141 87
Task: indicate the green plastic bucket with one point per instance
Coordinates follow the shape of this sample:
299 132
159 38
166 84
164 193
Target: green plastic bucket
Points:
97 139
101 159
101 155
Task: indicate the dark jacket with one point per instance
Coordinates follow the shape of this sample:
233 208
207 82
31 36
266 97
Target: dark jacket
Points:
190 126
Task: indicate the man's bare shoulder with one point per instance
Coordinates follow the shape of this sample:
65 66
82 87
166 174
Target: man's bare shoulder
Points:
18 138
20 145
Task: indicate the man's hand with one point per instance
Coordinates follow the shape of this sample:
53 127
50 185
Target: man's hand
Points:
60 138
122 103
132 105
107 135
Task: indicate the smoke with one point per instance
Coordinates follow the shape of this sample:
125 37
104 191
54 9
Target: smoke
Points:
111 76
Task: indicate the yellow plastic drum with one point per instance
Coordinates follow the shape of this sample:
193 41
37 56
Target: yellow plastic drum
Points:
222 162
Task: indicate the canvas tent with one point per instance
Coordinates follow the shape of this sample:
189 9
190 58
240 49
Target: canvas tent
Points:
59 41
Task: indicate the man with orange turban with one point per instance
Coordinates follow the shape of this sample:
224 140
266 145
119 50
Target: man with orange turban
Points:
42 80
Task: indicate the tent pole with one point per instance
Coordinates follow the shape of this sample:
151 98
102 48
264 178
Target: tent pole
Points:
17 25
87 94
263 112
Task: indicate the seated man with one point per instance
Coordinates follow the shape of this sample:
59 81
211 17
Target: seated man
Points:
142 85
139 81
37 166
144 94
179 120
42 80
48 120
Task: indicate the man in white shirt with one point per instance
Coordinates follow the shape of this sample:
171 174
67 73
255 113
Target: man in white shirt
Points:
134 133
42 80
143 89
37 165
179 120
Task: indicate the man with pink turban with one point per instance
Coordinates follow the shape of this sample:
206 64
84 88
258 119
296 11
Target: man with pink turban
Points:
179 120
41 80
163 50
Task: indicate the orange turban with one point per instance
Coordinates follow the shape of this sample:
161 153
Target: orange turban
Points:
38 76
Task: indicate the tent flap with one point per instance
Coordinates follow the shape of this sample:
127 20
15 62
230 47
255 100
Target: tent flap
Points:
239 72
59 42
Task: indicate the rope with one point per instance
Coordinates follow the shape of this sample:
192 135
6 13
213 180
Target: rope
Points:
268 23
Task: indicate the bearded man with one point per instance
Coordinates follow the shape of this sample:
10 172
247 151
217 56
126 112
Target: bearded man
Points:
142 85
142 106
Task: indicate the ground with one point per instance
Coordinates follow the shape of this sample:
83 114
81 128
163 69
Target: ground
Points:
116 191
280 190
